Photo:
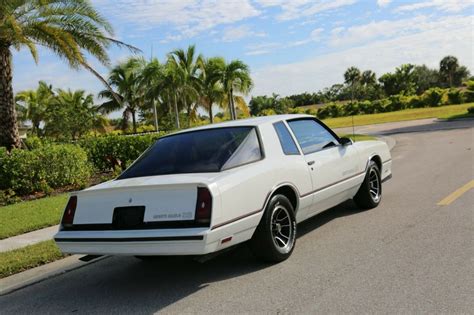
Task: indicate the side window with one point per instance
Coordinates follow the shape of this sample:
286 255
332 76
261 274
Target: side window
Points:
286 141
247 152
311 136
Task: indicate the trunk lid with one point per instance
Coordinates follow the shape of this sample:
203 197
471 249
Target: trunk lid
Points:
168 198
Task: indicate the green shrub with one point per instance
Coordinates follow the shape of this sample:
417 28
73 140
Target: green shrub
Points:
350 109
432 97
454 96
366 107
33 142
8 197
468 94
106 153
470 109
396 102
43 169
415 102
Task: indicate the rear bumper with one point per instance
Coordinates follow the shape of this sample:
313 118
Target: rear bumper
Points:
137 242
186 241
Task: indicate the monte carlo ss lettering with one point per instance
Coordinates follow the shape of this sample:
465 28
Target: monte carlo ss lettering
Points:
202 190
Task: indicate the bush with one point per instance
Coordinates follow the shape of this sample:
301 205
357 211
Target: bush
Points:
109 152
468 94
397 102
432 97
470 110
415 102
454 96
43 169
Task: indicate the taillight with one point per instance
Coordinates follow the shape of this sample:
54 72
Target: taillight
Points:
203 206
69 212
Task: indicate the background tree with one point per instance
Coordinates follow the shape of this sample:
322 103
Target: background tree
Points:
71 114
71 29
185 65
425 78
125 78
352 77
447 69
211 88
34 103
235 77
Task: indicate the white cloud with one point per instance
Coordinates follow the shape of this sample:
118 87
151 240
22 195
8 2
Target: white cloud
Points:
235 33
262 48
295 9
314 36
448 37
442 5
392 28
186 17
383 3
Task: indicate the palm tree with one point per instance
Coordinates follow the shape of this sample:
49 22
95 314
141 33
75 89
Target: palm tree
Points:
448 67
73 113
69 28
152 81
368 78
125 78
352 77
34 104
186 67
211 87
235 77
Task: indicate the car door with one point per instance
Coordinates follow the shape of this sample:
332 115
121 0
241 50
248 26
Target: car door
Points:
334 168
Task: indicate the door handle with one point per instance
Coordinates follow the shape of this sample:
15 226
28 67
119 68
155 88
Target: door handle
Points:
310 162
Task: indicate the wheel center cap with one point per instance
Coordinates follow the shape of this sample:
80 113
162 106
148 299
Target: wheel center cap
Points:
278 227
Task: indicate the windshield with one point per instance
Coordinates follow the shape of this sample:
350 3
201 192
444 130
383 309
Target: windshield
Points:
202 151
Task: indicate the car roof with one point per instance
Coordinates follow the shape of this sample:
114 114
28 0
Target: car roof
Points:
254 121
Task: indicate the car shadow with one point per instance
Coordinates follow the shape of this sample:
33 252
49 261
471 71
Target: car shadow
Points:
127 284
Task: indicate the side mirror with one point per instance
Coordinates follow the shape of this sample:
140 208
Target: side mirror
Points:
346 141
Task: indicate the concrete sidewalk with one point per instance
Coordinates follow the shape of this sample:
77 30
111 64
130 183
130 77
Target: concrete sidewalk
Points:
28 238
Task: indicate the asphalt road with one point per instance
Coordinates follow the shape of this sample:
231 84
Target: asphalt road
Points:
409 255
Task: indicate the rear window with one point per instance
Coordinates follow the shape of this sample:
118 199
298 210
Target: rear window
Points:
209 150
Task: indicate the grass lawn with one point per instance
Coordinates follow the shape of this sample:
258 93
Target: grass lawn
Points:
28 257
447 112
357 137
32 215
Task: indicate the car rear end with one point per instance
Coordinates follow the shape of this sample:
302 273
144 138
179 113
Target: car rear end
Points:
165 203
143 220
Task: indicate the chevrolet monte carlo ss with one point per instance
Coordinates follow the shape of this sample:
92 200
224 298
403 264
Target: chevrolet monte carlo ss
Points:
201 190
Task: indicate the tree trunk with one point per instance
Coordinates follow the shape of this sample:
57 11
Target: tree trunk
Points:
9 136
233 115
211 115
176 112
134 122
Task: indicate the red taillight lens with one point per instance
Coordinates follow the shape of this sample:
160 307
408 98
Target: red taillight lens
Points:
203 206
68 216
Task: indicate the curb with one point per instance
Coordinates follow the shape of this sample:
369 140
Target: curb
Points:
38 274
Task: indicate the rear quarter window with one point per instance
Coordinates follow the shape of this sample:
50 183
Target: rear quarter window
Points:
288 145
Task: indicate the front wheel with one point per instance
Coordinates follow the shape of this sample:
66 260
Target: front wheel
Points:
275 236
370 192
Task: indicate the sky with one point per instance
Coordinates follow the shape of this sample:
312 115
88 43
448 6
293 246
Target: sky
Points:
291 46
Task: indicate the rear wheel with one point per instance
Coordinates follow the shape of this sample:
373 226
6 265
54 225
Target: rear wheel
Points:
370 192
275 236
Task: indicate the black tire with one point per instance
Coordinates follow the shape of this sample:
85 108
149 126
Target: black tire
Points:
278 225
370 192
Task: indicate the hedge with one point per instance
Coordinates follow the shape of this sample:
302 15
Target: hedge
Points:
109 152
44 168
430 98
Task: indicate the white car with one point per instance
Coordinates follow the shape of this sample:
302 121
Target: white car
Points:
201 190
